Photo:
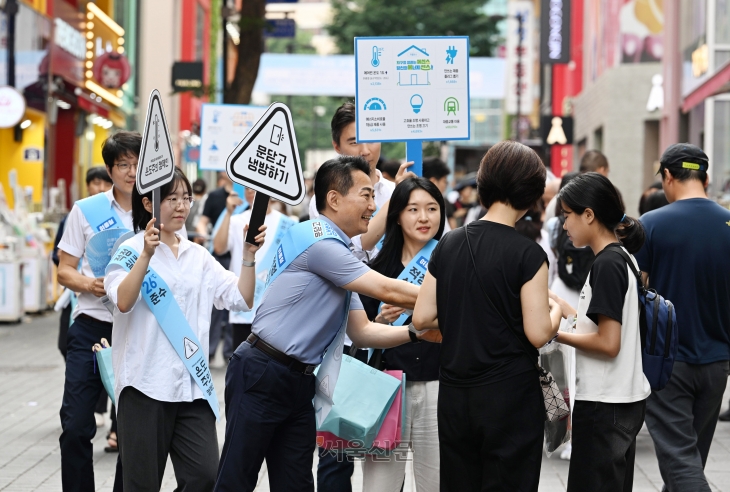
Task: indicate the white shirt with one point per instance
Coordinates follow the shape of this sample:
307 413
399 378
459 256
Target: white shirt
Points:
235 246
383 191
143 356
605 379
76 235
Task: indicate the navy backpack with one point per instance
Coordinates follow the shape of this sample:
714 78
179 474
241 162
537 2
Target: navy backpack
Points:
658 328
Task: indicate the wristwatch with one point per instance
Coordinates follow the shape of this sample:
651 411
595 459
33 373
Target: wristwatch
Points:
248 263
412 333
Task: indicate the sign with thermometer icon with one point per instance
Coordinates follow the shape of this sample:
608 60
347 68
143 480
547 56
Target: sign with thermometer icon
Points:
412 89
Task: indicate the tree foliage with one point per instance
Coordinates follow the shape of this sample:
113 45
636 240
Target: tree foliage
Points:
352 18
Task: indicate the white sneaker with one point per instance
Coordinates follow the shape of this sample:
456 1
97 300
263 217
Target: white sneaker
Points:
99 417
567 450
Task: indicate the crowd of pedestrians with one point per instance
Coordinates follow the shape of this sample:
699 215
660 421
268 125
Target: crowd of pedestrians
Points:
517 262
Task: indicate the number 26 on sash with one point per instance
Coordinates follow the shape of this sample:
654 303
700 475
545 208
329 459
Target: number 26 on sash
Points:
149 286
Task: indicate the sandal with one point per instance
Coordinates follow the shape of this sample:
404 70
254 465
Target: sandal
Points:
113 446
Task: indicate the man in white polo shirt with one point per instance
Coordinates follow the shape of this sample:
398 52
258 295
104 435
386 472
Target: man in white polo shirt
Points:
92 320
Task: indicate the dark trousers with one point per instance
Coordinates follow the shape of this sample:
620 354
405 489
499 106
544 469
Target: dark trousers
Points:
681 419
604 445
491 436
269 415
80 395
334 470
241 331
149 430
219 325
63 325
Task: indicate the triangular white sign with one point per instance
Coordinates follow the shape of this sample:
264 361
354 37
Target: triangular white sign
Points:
156 165
190 347
267 159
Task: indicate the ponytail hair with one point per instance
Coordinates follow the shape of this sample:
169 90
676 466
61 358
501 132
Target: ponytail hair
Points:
595 191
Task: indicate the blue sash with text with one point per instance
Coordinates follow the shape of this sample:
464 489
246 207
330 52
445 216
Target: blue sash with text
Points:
300 238
160 300
99 213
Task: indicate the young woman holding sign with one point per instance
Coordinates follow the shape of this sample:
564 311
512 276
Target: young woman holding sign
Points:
414 224
166 401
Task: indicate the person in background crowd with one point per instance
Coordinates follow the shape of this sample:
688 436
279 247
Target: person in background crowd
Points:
335 470
653 188
304 206
592 161
270 384
530 226
162 410
611 391
436 171
389 169
416 220
491 412
92 320
468 198
656 200
685 257
228 240
97 181
191 224
214 207
551 189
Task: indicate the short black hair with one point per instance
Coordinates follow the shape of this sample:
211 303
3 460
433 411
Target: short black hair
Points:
683 175
199 187
391 167
592 161
336 174
433 167
140 216
511 173
344 115
119 145
98 172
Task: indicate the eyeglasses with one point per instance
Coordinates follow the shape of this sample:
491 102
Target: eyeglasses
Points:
125 166
174 201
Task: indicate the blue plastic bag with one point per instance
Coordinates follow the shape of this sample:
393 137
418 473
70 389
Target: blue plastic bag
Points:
106 371
362 398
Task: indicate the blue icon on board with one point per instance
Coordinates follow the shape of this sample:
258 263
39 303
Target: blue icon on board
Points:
375 104
416 103
451 54
377 52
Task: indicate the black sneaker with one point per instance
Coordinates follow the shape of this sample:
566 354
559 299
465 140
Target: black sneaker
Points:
725 416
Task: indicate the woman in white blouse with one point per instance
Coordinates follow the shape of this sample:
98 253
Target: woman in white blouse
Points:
161 407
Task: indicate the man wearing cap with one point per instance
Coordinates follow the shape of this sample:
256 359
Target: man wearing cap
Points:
686 259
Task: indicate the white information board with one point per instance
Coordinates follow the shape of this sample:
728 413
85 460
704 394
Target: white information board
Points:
412 88
222 127
267 159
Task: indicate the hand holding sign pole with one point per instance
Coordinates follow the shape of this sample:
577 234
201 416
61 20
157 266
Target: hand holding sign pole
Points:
267 160
156 165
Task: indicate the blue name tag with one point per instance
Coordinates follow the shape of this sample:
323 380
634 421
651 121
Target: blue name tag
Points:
107 224
423 262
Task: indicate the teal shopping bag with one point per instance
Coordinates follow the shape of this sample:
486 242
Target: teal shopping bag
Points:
362 398
106 370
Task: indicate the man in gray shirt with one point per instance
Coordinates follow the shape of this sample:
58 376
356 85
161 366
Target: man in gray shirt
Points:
269 381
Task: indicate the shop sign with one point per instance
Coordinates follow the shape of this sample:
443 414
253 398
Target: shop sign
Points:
12 106
520 57
700 61
32 154
106 69
187 76
555 31
69 39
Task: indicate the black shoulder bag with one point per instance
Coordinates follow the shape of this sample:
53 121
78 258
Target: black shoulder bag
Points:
555 406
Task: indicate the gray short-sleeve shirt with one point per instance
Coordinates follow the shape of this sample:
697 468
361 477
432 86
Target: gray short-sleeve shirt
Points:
302 310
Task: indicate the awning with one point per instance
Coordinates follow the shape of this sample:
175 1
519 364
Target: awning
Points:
717 84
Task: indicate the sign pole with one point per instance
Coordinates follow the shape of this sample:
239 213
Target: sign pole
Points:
414 154
258 215
156 206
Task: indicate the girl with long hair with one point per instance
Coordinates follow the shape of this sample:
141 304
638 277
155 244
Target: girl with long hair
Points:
164 288
611 390
414 224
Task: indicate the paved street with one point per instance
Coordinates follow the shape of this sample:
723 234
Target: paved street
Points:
30 397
